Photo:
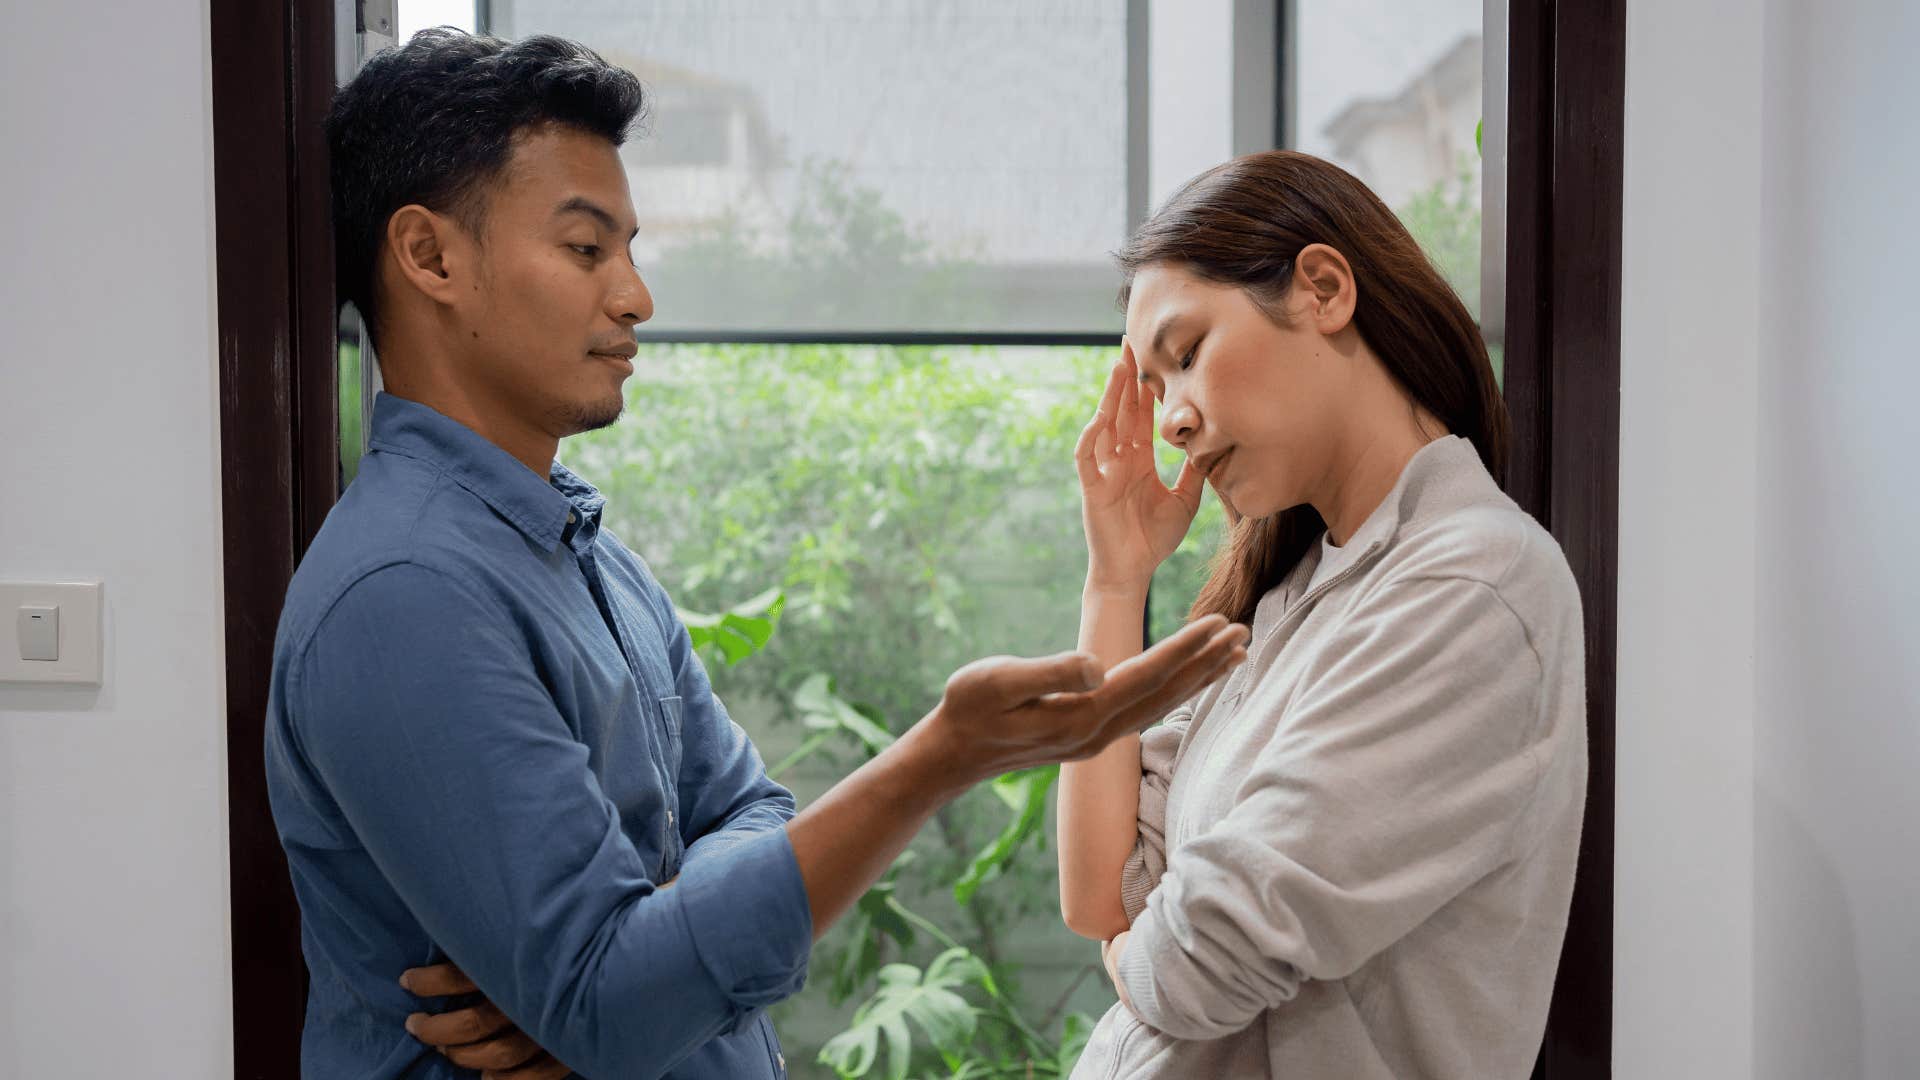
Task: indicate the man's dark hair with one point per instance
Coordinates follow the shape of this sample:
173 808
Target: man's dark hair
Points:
433 121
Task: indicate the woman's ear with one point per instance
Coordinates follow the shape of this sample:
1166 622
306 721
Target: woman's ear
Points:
1324 279
428 251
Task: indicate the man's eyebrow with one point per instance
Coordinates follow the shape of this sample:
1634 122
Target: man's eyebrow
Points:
581 205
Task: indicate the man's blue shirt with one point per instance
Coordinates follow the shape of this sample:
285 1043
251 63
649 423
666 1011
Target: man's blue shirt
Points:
489 740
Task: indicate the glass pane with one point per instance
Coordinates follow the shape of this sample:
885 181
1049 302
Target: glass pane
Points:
917 508
416 15
860 166
1390 90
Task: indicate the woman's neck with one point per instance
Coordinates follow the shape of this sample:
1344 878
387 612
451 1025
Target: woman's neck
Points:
1379 446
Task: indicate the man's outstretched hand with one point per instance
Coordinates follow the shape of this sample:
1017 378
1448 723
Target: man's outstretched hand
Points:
478 1036
997 715
1007 713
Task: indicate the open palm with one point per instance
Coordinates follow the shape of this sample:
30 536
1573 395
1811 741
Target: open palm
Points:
1133 520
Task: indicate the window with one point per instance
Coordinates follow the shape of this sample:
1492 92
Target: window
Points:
878 235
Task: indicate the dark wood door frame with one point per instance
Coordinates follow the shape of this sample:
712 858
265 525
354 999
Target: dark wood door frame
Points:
272 79
273 65
1566 100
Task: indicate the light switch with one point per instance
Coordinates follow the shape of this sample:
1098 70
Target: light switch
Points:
51 632
39 627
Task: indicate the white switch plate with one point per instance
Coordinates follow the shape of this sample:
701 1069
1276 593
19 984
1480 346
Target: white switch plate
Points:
79 604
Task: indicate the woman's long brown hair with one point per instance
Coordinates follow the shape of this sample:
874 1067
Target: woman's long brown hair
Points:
1243 223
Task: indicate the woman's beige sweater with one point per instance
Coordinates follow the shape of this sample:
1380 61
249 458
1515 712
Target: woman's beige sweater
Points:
1357 850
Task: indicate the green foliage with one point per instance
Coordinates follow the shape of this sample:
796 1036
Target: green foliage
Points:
900 512
352 415
1025 793
737 632
907 993
835 232
1445 219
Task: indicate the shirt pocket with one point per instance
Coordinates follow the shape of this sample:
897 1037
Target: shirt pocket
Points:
672 715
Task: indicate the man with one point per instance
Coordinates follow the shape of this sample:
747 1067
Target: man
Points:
490 747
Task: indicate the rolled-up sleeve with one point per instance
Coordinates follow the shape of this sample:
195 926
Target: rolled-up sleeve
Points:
422 713
1395 783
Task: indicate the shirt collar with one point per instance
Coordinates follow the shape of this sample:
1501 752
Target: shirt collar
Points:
1443 476
546 512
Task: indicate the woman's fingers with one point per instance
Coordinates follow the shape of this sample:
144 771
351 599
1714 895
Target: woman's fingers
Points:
1083 456
1188 487
1140 417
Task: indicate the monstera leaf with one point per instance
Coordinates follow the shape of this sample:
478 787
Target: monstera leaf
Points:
906 993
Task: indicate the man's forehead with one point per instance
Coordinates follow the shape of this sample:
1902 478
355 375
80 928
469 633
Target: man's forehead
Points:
556 171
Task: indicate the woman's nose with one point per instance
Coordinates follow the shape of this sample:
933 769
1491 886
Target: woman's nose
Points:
1178 424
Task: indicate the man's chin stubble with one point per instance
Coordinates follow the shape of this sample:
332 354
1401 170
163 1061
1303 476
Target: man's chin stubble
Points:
581 419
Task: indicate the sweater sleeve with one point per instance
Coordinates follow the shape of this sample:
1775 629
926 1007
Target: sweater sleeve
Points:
1393 783
1159 747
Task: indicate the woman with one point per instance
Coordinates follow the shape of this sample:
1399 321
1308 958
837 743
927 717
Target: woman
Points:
1353 856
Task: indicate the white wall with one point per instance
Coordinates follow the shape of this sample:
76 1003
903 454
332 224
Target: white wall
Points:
1837 722
113 853
1689 308
1769 709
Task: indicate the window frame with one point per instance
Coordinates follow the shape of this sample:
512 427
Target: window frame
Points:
279 422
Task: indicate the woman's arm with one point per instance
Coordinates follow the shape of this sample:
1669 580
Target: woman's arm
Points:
1133 522
1100 797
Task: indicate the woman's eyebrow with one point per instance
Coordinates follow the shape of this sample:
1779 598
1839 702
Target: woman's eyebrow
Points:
1160 333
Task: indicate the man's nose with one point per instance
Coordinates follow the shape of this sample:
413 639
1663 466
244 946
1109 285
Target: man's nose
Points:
632 302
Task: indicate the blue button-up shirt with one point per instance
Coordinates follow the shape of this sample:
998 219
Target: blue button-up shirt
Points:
490 741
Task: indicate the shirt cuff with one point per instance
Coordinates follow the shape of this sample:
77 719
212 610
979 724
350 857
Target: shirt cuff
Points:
748 917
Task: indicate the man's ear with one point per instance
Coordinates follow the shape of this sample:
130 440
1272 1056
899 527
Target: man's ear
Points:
429 251
1323 278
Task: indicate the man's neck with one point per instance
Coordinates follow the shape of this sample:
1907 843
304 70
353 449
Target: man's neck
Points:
529 445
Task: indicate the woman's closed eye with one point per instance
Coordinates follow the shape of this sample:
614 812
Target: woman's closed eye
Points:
1186 360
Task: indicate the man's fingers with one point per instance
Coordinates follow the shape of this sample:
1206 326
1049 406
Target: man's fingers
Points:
1138 675
540 1068
438 980
1225 651
460 1026
1163 677
1008 681
507 1052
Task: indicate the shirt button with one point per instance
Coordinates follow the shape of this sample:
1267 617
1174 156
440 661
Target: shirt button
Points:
669 817
570 519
